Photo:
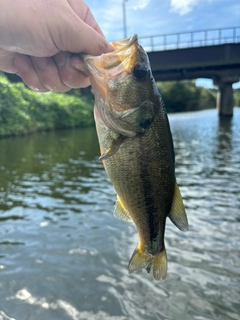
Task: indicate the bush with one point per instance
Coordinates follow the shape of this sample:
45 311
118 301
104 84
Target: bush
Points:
186 96
237 97
23 111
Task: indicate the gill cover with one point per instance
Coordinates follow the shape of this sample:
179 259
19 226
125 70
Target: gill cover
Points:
119 80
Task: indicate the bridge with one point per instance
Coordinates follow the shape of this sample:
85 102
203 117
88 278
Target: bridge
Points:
212 54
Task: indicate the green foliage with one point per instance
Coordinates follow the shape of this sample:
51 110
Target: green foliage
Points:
184 95
24 111
237 97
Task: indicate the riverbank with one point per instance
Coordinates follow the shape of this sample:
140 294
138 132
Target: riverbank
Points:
23 111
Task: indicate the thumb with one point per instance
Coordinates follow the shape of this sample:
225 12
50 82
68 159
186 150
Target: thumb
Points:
83 38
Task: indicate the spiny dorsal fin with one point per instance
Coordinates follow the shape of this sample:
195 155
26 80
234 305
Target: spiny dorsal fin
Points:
177 214
120 212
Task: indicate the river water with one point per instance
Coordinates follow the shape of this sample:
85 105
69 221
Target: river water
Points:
64 256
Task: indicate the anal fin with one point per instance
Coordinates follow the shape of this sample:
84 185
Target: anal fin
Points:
177 214
120 212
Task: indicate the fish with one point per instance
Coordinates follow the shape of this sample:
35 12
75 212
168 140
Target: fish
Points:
136 149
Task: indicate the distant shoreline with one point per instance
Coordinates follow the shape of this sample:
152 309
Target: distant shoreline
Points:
23 111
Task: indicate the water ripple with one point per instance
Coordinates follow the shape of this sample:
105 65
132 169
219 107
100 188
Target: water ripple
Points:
64 256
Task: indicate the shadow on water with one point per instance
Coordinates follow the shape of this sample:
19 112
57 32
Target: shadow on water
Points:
51 148
40 157
64 256
224 137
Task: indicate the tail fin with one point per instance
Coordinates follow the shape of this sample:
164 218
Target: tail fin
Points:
159 265
157 262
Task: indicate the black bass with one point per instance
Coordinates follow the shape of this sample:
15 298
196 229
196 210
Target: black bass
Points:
137 149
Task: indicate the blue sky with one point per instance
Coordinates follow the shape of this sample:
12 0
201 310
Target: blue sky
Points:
153 17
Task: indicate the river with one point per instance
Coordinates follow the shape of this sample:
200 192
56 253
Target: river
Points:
64 256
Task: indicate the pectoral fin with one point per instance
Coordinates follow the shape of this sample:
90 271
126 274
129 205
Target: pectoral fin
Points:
133 121
140 118
113 149
120 212
177 214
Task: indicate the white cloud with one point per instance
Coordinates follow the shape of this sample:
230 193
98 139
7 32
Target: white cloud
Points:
152 17
110 17
183 6
140 4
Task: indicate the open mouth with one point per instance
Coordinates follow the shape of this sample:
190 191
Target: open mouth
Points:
124 52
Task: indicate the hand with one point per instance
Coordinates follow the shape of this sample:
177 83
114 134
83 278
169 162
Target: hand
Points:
40 41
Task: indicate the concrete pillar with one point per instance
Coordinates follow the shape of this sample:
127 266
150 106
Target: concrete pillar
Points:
225 99
225 93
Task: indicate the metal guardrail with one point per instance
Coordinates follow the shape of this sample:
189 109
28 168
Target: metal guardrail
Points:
190 39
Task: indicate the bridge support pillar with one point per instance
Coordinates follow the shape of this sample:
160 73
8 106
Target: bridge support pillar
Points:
225 95
225 99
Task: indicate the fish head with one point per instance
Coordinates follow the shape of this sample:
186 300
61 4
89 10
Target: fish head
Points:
121 80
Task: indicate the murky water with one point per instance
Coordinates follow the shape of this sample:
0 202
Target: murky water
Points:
64 256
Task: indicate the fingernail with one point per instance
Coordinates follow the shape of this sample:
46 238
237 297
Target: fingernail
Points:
61 59
40 63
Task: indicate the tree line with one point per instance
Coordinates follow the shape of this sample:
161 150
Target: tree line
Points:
24 111
183 96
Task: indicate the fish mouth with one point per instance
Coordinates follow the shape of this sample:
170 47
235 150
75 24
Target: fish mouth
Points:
116 65
120 49
124 44
126 54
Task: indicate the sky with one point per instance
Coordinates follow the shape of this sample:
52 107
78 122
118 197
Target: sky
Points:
154 17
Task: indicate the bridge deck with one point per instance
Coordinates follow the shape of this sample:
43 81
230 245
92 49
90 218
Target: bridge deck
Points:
202 62
213 54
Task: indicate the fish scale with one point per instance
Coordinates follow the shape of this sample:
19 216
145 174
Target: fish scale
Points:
137 150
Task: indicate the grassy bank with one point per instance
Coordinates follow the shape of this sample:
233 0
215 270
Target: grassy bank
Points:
24 111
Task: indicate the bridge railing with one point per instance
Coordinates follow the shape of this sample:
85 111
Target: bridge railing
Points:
190 39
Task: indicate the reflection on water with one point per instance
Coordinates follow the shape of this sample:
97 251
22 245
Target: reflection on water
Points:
64 256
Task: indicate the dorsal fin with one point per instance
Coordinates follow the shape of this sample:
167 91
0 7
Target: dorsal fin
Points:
120 212
177 214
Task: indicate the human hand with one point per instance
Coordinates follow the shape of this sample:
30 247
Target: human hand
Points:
40 41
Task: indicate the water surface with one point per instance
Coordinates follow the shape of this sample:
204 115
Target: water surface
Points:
64 256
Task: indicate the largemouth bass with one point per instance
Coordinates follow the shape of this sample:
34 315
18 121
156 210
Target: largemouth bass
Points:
137 149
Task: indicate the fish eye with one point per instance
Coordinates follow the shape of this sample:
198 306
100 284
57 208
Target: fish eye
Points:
140 71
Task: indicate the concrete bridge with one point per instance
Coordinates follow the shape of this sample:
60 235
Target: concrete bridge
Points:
213 54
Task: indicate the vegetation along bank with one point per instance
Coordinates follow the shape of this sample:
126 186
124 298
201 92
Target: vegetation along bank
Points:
24 111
